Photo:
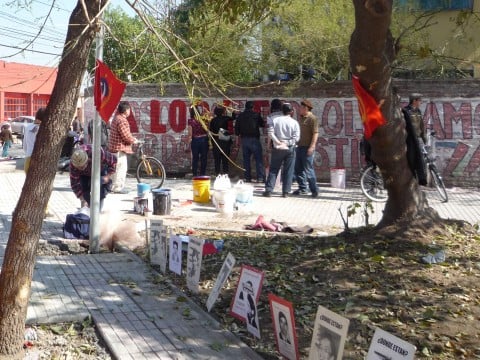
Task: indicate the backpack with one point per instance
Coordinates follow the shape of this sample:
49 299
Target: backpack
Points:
77 226
103 134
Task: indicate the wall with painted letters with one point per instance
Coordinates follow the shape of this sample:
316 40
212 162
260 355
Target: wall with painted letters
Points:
162 122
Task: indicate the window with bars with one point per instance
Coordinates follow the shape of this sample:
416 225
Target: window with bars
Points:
429 5
15 105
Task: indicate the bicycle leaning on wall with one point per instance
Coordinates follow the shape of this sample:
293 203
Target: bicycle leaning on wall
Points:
149 169
371 180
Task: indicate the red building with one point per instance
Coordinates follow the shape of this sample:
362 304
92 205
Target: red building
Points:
24 88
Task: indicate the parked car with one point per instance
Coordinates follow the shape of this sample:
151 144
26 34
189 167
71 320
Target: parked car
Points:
19 123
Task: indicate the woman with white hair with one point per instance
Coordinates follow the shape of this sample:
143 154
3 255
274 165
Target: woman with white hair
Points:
81 173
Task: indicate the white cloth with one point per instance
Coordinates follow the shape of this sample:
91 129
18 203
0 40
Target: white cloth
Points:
29 137
118 179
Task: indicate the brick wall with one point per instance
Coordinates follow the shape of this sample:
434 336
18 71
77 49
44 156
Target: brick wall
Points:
451 108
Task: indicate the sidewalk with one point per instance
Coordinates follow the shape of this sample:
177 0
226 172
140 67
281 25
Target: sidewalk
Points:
141 319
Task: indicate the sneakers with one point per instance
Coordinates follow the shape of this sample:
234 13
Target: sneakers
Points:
300 192
267 194
285 194
315 195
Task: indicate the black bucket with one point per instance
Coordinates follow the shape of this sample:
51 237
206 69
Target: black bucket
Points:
162 202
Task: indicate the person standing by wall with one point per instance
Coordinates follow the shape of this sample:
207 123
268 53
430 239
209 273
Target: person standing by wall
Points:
198 138
6 138
284 133
305 151
416 119
247 127
120 143
81 173
223 141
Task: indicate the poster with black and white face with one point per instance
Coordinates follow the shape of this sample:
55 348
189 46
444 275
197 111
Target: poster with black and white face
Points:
175 260
329 335
283 321
194 263
385 346
158 244
249 283
221 279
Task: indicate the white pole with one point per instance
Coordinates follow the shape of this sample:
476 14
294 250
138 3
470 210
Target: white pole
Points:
96 155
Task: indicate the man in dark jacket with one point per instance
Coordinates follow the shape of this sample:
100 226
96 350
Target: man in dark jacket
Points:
247 127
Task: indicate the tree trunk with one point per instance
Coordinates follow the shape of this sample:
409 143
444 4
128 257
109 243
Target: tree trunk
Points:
372 51
19 260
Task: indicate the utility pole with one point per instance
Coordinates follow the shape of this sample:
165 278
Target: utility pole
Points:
96 157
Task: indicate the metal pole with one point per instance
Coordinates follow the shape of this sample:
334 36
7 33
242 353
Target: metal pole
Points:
96 157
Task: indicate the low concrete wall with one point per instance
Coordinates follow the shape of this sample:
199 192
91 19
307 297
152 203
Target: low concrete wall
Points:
452 109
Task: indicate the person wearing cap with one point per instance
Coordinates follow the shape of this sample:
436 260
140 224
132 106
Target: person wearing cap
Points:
247 128
284 133
416 119
304 171
120 143
81 173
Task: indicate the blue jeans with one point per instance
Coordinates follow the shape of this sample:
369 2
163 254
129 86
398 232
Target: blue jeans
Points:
252 146
199 148
6 146
304 171
221 160
279 158
86 182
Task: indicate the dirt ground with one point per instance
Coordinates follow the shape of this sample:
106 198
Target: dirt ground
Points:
373 279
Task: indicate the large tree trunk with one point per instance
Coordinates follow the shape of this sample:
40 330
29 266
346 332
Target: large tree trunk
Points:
372 51
19 260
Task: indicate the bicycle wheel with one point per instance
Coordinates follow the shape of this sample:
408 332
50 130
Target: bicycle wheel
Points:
371 183
439 185
151 171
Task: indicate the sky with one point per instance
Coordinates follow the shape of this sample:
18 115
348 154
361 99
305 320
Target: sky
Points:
20 25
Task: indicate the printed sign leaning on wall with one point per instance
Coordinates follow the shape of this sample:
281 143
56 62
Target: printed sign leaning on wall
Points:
221 279
158 244
194 263
329 335
387 346
284 327
249 285
175 260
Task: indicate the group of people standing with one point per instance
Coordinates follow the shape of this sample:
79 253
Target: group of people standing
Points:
291 143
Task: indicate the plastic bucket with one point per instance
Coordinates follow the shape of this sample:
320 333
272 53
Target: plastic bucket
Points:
225 200
337 178
244 193
142 189
162 201
201 189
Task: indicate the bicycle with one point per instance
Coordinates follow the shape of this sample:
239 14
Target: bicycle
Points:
149 170
371 180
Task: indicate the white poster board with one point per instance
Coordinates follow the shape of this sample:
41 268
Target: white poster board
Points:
225 271
175 261
194 263
249 286
385 346
329 335
158 244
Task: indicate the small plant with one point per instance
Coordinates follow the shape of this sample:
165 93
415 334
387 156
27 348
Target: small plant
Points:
366 208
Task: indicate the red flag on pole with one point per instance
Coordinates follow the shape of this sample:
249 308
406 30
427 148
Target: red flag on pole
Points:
368 108
108 90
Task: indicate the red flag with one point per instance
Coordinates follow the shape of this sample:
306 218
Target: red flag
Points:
108 91
368 108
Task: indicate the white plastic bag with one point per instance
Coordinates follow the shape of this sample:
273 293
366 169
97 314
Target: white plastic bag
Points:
222 182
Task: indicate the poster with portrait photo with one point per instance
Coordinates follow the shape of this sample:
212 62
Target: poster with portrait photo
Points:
284 327
221 279
387 346
158 244
253 326
194 262
175 259
250 282
329 335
